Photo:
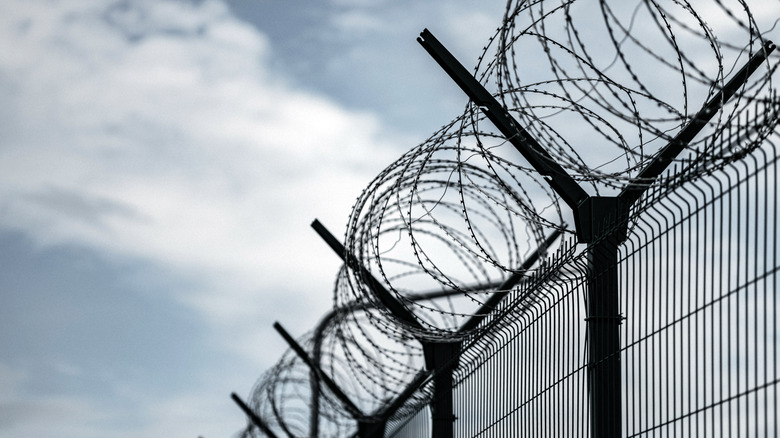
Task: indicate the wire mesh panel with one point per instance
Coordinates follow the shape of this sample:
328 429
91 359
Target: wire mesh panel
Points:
527 376
452 317
698 275
699 281
414 426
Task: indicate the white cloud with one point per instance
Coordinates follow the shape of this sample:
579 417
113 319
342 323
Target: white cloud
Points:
21 415
359 22
124 411
155 129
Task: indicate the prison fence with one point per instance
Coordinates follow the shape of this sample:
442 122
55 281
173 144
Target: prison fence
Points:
497 282
698 327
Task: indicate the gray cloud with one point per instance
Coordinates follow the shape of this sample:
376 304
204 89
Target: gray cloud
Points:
154 133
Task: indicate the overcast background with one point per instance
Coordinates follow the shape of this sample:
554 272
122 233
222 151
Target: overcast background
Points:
160 164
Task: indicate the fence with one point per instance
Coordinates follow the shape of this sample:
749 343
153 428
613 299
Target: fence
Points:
699 354
460 309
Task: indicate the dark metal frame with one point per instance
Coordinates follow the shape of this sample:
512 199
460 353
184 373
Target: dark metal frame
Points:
600 221
441 358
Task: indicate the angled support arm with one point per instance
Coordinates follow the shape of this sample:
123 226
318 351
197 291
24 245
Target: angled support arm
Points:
256 420
534 153
317 370
388 300
662 159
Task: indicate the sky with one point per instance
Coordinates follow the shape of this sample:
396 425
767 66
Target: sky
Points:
160 164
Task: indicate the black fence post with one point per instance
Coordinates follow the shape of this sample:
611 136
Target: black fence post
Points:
442 359
601 222
603 316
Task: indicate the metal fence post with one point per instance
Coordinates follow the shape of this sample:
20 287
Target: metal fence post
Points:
601 222
438 357
442 358
603 318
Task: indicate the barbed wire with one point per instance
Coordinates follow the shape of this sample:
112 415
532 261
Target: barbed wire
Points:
602 87
448 215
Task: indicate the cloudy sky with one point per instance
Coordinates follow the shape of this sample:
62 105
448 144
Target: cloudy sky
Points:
160 164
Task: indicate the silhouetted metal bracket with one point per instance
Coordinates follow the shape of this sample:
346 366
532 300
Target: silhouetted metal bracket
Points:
663 158
534 153
388 300
356 412
256 420
600 221
583 206
376 426
598 216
